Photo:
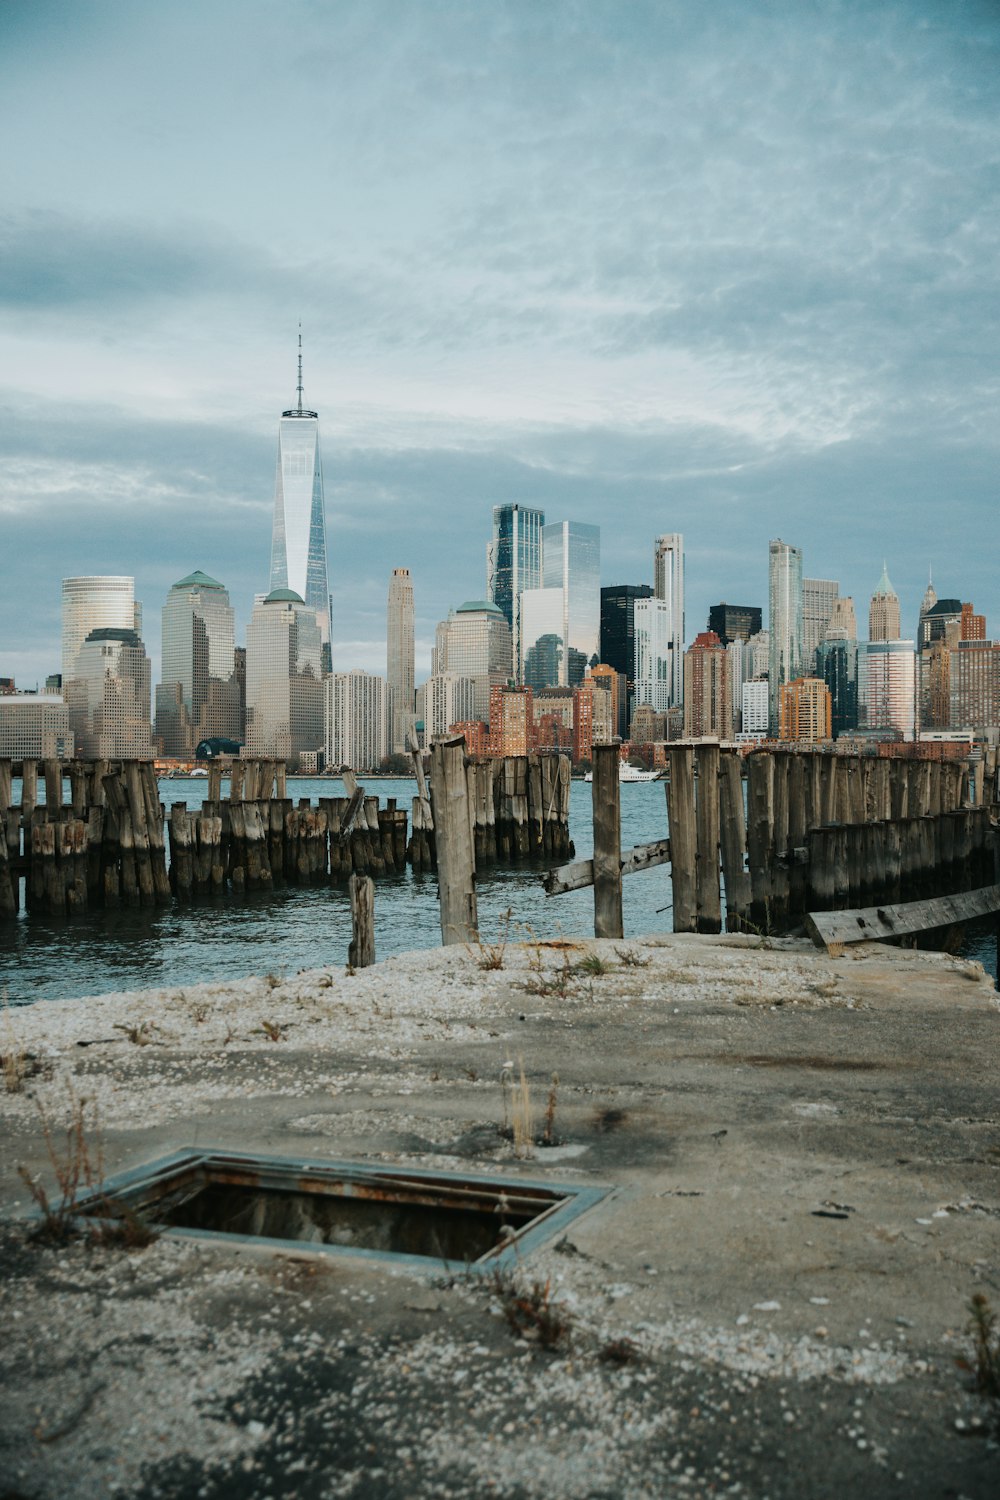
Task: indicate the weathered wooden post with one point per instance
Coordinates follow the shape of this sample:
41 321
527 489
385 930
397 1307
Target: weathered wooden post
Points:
456 862
683 841
733 833
361 952
760 836
29 790
607 842
708 896
53 784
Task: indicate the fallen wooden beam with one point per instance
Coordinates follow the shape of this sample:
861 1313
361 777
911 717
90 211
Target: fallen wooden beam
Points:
577 876
871 923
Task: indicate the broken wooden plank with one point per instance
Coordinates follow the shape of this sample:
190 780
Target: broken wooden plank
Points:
577 876
873 923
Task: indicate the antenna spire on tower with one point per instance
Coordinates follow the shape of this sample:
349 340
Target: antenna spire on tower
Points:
299 387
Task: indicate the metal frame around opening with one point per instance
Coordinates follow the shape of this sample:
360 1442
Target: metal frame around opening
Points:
280 1172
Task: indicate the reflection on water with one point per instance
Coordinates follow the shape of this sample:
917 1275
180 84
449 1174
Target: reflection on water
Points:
305 927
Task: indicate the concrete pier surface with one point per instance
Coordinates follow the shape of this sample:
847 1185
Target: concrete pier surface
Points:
803 1158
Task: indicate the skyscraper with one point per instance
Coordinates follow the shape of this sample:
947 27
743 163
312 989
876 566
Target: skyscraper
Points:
708 711
572 563
784 620
883 611
668 584
284 679
805 710
653 672
355 720
514 563
474 642
819 598
298 537
198 697
92 603
399 657
618 640
734 622
886 687
108 696
927 603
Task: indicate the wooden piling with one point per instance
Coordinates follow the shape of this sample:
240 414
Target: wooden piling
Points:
181 862
52 771
708 898
683 839
455 851
607 842
361 952
733 840
760 842
8 879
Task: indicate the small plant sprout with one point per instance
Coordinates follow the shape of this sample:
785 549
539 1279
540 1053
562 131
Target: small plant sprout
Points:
141 1035
530 1310
558 984
594 965
77 1166
523 1120
491 955
630 959
984 1366
274 1030
549 1134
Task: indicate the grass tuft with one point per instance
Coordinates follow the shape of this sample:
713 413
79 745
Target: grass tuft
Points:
595 965
633 960
984 1366
530 1310
522 1119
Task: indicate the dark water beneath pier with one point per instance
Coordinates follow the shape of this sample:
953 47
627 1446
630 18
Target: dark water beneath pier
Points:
301 927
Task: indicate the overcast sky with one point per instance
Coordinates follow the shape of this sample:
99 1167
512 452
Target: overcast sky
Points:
729 269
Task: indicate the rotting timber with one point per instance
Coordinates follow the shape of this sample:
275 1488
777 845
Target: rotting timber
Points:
113 843
892 844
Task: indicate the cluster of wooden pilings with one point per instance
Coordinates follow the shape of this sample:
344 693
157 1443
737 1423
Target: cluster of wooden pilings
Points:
108 846
105 848
257 838
818 832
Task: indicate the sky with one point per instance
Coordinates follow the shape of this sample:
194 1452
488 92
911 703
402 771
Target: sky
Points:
727 269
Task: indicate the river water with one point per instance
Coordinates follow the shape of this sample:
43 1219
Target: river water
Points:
301 927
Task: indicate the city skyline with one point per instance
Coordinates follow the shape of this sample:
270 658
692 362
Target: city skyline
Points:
744 318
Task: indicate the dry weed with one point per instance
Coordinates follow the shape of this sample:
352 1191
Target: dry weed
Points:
522 1118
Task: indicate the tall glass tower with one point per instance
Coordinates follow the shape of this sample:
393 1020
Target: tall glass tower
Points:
668 584
785 620
571 552
513 564
298 538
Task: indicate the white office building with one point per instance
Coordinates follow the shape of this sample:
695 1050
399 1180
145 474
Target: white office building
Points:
356 720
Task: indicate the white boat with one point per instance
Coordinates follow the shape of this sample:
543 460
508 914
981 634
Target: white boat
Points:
629 773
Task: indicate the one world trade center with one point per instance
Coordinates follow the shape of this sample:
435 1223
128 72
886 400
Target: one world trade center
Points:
298 538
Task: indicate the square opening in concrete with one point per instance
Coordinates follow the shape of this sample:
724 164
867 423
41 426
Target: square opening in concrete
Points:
344 1207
